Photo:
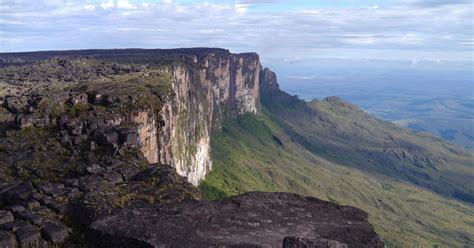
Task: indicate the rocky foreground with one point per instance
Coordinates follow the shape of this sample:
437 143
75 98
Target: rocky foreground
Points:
252 219
85 138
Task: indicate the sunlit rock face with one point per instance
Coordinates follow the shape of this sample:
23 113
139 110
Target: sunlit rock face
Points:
214 87
145 125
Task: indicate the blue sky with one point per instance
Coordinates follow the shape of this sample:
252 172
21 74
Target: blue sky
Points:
415 30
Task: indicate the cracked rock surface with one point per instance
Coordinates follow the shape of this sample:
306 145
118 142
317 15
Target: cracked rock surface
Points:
251 219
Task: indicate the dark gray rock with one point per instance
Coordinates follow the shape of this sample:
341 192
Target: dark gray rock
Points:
114 177
15 225
19 194
46 200
129 172
17 208
128 137
33 218
29 120
55 233
93 169
79 139
57 206
5 217
268 80
95 124
62 121
252 219
106 137
64 137
74 193
74 127
295 242
112 149
90 183
72 182
53 189
28 237
5 187
37 196
7 240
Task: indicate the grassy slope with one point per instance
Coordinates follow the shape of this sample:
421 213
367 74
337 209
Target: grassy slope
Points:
342 133
256 153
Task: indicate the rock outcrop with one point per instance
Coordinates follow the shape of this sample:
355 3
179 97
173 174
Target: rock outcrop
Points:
249 220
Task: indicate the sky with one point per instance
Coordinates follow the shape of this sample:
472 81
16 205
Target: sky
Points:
415 30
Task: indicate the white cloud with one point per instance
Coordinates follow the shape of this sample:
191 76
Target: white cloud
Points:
107 5
124 4
10 22
89 7
241 8
360 39
401 30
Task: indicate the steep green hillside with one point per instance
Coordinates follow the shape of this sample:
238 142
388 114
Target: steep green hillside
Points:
342 133
262 153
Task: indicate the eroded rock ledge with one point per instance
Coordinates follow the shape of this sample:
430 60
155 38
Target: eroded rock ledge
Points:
253 219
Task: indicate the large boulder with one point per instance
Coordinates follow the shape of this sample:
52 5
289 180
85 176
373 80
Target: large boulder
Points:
55 233
7 240
252 219
5 217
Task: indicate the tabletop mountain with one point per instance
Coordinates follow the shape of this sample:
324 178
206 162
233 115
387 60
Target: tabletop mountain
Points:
105 148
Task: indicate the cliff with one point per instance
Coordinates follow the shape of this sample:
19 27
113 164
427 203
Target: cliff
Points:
215 87
207 87
90 138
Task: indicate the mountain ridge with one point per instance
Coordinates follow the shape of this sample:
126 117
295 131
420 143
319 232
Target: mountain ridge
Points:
390 150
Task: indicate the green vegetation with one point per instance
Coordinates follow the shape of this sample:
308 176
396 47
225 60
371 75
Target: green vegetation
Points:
134 91
50 107
342 133
40 153
76 109
254 153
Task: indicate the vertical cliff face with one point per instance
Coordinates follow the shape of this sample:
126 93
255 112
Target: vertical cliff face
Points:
212 88
146 128
169 100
